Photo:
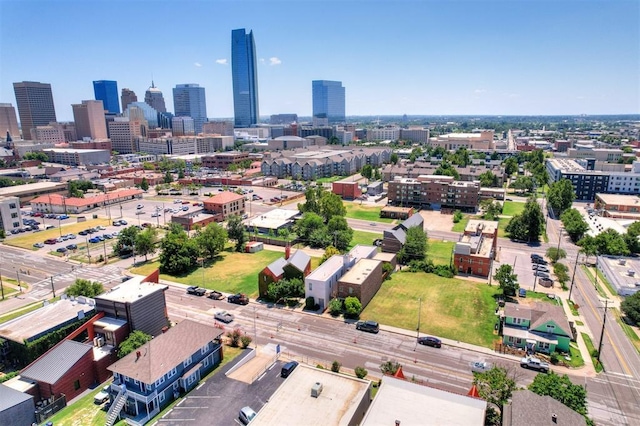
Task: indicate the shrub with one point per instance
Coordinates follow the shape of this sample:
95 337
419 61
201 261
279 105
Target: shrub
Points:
245 341
309 303
335 307
555 358
389 367
335 366
352 306
320 366
457 216
234 337
361 373
387 269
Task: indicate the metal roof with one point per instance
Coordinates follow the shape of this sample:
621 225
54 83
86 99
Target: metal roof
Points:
10 397
300 260
51 366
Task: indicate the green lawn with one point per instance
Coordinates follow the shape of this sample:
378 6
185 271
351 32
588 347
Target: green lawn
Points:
512 208
232 272
329 179
589 344
460 226
502 226
440 251
542 297
370 213
28 239
451 308
364 238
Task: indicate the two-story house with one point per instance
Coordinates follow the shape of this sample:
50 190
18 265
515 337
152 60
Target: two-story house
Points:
542 327
147 380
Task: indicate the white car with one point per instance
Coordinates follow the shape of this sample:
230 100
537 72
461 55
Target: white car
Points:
139 206
102 396
480 366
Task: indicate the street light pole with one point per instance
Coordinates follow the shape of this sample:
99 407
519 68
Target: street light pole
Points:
419 309
604 321
53 289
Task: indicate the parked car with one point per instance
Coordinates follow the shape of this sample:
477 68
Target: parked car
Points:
216 295
139 212
38 245
107 236
522 292
51 241
480 366
434 342
102 396
116 223
50 227
246 415
238 299
83 232
533 363
288 368
369 326
185 208
224 316
72 247
61 250
546 282
156 214
123 222
71 236
541 274
539 261
94 240
139 207
535 255
198 291
538 267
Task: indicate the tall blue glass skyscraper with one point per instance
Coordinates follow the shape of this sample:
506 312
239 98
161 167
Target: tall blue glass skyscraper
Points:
107 92
245 78
189 101
328 100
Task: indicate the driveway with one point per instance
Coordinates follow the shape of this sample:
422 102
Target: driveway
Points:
218 400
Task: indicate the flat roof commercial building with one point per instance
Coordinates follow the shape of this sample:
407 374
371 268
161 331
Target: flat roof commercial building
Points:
78 157
435 191
225 204
453 141
475 250
32 190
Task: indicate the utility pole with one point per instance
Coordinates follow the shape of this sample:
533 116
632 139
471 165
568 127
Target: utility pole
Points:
596 272
19 284
1 286
53 289
419 309
575 267
604 321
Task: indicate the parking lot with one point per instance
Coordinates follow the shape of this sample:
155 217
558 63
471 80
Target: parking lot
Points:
522 262
218 400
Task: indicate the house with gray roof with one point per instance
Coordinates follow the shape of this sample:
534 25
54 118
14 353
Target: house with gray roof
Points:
394 239
67 368
16 408
147 380
527 408
542 327
297 265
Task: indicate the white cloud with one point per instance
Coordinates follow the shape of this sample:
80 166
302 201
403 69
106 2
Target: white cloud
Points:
197 64
479 91
274 61
262 60
222 61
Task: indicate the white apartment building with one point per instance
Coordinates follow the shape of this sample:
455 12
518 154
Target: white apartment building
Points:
482 140
383 134
184 145
625 182
10 217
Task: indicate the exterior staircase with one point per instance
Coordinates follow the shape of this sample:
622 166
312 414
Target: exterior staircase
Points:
116 407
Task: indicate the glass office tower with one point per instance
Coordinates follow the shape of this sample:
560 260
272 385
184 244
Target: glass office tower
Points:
107 92
189 101
245 78
328 100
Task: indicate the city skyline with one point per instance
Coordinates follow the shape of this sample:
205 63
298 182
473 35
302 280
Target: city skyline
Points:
394 58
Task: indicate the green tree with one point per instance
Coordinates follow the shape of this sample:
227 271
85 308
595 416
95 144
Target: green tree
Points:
507 279
488 179
77 188
236 231
527 225
147 165
394 158
562 272
631 307
588 245
523 183
415 247
510 166
335 366
561 389
126 240
38 155
307 225
561 195
135 340
179 253
145 242
390 367
495 386
331 205
168 177
144 185
328 252
632 236
352 306
82 287
461 157
377 175
367 171
612 243
341 233
446 169
555 254
211 240
574 224
335 306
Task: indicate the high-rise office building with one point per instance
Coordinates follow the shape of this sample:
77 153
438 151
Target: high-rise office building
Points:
123 132
328 100
153 97
8 122
128 96
89 119
189 100
142 111
35 105
245 78
183 126
107 92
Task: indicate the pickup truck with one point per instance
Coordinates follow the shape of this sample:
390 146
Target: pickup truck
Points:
224 316
534 364
198 291
239 299
215 295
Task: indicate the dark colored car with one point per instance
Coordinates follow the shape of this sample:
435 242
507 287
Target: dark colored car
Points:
369 326
61 250
51 241
239 299
216 295
288 369
198 291
434 342
72 247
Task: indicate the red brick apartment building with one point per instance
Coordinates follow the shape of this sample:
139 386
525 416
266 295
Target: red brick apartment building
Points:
223 160
434 191
226 204
346 190
475 250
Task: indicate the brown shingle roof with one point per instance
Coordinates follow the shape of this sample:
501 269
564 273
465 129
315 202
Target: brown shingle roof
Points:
527 409
166 351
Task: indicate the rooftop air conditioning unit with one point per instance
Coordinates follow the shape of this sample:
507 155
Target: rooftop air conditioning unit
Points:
631 272
316 389
622 262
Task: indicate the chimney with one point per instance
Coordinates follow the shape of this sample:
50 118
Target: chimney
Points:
287 252
397 422
554 418
138 354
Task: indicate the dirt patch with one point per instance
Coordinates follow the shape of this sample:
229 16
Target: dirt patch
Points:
436 221
252 369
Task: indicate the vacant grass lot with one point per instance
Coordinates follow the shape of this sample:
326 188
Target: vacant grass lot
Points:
370 213
460 226
364 238
232 272
27 240
512 208
451 308
502 226
440 251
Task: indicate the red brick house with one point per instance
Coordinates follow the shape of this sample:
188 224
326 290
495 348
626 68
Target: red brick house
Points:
476 248
362 281
346 190
296 266
226 204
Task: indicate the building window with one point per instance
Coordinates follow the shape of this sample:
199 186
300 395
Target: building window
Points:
550 328
76 385
172 372
310 286
204 349
161 397
160 381
187 362
205 362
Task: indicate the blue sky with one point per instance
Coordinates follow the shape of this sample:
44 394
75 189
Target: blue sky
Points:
477 57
